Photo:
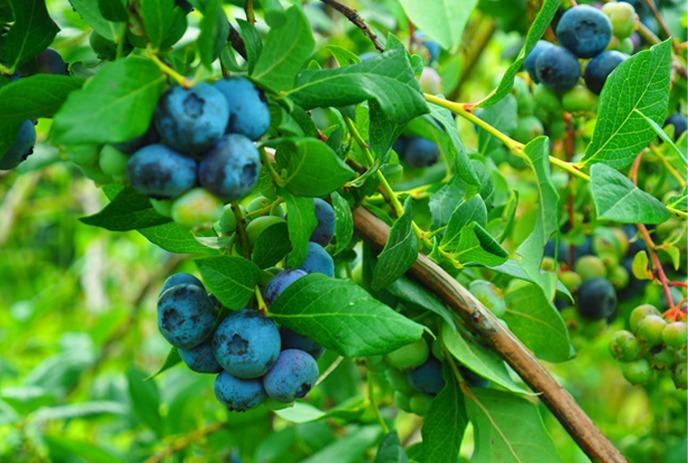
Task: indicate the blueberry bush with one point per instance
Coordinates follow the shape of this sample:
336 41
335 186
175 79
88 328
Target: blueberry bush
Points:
343 231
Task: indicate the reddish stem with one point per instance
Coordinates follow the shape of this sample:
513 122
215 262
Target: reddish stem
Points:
681 284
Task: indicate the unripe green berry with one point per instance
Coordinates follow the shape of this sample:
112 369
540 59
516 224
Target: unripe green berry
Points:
489 295
637 372
259 225
398 380
113 162
83 155
571 280
408 356
624 346
662 358
527 128
639 313
162 206
548 264
579 99
430 81
680 376
547 99
622 16
420 403
196 207
402 401
589 267
675 334
227 223
618 276
650 329
257 203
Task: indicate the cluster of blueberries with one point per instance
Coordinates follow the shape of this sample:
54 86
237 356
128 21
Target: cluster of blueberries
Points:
654 345
255 358
48 61
199 150
584 32
601 271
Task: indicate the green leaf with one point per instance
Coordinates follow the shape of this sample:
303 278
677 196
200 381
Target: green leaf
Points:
443 202
301 412
31 32
473 210
145 399
344 222
536 322
387 82
638 85
618 199
444 425
348 449
271 245
287 48
399 253
252 42
508 429
172 359
301 223
214 32
443 21
90 12
158 18
343 317
231 279
114 10
31 97
173 238
537 28
63 448
477 358
391 450
124 90
416 295
503 116
77 410
312 168
663 135
129 210
476 245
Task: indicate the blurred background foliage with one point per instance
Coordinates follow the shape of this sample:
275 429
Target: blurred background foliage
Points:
78 329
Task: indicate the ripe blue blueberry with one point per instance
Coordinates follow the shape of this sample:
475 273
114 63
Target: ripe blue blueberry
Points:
540 46
421 152
318 260
238 394
181 278
186 315
293 340
201 358
280 282
292 376
230 169
427 377
400 145
557 69
680 123
191 120
434 50
324 232
49 61
473 379
584 30
21 148
248 110
596 299
246 344
600 67
157 171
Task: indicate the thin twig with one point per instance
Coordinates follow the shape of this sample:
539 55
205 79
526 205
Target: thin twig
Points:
353 16
185 441
662 23
510 348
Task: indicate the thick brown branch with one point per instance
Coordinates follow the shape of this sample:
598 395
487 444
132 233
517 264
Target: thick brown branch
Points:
353 16
481 320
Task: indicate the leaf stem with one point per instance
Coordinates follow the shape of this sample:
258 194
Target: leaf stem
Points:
250 15
374 405
262 306
674 173
333 366
164 67
241 229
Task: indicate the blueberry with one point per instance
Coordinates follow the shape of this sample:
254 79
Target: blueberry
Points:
191 120
130 146
324 232
292 376
430 81
181 278
557 68
186 315
246 344
680 123
238 394
293 340
318 260
421 152
427 377
280 282
596 299
434 50
600 67
201 358
230 169
21 148
158 171
584 30
473 379
400 144
248 110
540 46
48 61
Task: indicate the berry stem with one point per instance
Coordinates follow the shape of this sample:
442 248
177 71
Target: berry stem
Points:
262 306
241 229
374 405
250 14
165 68
333 366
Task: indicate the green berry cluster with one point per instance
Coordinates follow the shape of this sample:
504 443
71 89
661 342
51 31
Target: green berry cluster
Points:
654 345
